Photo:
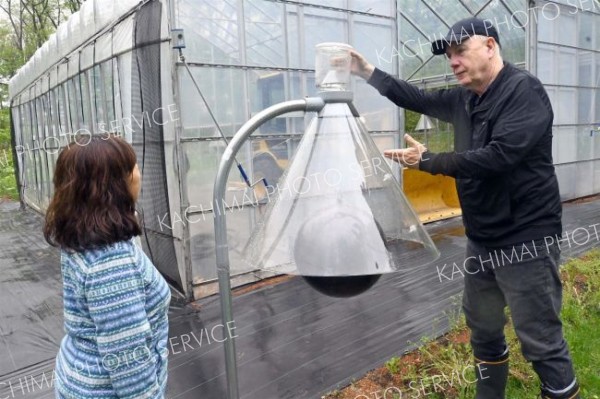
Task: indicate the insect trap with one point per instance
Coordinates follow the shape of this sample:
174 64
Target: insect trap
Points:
337 217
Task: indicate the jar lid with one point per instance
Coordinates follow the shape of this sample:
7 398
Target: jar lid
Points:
334 44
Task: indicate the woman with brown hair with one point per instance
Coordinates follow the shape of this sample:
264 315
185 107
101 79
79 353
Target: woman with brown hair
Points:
115 301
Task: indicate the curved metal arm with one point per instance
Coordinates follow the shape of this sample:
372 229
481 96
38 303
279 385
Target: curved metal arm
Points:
310 104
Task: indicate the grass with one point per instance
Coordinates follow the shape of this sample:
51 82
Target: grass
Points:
8 184
393 365
441 368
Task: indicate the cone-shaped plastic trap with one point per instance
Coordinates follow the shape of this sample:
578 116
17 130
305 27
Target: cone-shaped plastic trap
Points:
337 216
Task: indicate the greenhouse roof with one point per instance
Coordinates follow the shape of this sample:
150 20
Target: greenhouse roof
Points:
94 17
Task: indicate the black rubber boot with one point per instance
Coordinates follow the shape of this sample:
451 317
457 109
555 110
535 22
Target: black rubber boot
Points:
572 393
491 379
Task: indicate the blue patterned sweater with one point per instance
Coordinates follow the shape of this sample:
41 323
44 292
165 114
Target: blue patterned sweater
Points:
115 309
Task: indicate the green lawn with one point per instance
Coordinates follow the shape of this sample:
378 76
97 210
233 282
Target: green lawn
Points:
441 368
581 319
8 184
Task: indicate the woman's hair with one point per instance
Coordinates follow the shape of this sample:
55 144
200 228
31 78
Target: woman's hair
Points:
92 205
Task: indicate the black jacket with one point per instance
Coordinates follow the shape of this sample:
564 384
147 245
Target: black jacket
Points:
502 158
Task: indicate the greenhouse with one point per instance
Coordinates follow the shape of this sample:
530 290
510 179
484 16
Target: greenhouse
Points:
117 66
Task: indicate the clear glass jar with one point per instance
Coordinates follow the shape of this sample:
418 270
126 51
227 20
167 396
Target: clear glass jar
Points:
332 66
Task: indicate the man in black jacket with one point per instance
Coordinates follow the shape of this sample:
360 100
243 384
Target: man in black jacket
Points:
509 196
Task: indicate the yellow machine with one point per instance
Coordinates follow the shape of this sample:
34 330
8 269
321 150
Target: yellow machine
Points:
432 197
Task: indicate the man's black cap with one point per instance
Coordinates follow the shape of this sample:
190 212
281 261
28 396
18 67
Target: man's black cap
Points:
463 30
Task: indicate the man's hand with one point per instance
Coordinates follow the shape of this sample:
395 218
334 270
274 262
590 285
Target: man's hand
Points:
360 66
410 156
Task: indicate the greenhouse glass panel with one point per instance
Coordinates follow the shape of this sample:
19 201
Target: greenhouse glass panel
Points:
40 125
546 64
511 30
409 66
546 29
566 183
86 101
26 125
30 164
293 36
201 161
597 105
264 33
74 101
296 124
123 36
53 140
567 27
586 31
322 26
266 88
108 92
116 89
420 46
379 113
270 158
211 29
98 100
103 47
86 59
124 72
385 141
584 176
224 90
596 181
65 121
295 86
37 176
45 181
567 144
585 106
20 141
40 155
516 6
450 14
374 38
585 144
564 112
567 63
596 144
437 66
46 117
202 238
475 5
551 91
428 23
585 61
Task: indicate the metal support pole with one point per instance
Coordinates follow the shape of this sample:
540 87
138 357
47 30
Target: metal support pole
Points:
310 104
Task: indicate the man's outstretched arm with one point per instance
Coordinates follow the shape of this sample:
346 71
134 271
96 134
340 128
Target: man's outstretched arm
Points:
438 104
